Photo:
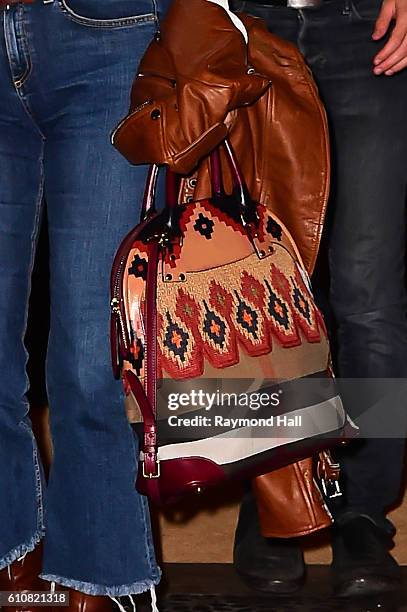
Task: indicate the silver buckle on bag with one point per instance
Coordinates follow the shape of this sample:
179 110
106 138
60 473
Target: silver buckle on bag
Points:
331 488
151 476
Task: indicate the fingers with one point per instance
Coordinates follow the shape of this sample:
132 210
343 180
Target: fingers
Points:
395 40
383 21
397 67
395 51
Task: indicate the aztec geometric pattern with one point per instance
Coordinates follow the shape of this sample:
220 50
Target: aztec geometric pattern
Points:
214 319
230 300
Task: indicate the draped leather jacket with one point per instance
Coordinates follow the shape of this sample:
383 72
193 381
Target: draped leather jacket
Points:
199 82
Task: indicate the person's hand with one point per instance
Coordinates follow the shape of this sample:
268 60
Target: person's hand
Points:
393 57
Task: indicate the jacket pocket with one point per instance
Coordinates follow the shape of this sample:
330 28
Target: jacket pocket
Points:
110 13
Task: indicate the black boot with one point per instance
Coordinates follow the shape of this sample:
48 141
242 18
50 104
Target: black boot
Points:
362 564
266 564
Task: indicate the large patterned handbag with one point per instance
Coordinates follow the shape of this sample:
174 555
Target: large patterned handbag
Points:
223 354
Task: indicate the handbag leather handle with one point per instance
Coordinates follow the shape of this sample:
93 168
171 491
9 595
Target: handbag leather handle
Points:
248 209
237 176
172 182
216 173
148 204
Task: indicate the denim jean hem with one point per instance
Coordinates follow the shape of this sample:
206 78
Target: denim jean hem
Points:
136 588
22 549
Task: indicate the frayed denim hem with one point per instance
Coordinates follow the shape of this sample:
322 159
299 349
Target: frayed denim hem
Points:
136 588
20 551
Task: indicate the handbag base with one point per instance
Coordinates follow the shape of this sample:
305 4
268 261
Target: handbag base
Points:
194 475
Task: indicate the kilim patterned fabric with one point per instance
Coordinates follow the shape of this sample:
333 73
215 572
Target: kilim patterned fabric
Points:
213 294
246 306
233 311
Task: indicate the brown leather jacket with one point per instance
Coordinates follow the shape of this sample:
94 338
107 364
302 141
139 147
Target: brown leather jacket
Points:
198 82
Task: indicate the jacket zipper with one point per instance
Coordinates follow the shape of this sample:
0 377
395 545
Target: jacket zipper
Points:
136 110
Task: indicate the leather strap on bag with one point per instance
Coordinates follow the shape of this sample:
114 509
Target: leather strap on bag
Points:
151 465
147 396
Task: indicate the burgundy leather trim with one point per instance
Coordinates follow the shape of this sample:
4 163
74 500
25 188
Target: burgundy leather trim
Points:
119 329
172 189
150 467
180 477
4 3
120 339
150 450
114 347
188 474
151 324
141 398
216 173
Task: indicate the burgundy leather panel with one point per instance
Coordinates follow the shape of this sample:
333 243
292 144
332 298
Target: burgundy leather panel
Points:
179 477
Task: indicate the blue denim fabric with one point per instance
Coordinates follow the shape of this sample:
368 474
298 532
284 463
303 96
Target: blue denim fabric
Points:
66 69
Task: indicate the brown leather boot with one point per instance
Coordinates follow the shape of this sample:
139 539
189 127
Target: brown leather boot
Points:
80 602
22 576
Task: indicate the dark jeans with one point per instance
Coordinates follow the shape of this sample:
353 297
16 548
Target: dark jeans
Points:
366 222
